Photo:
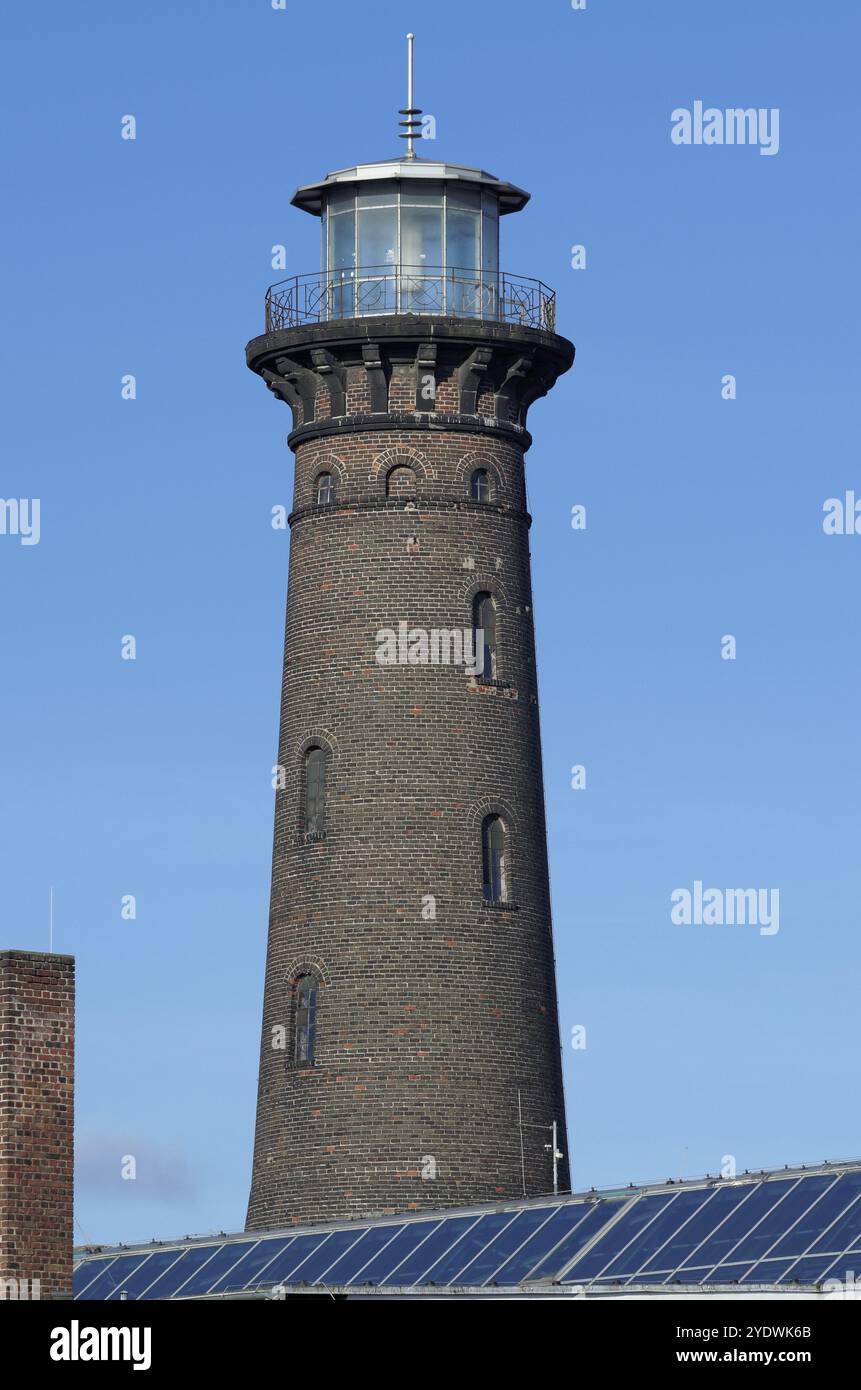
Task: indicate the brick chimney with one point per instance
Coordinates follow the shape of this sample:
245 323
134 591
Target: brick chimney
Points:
37 1038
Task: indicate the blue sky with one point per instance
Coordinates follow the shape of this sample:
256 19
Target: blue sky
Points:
704 518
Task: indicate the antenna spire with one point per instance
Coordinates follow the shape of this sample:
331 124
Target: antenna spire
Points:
412 113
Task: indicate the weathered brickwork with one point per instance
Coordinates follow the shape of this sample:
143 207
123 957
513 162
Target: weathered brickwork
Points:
427 1026
37 1022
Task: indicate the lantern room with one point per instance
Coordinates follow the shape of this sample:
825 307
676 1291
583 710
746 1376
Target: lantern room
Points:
410 236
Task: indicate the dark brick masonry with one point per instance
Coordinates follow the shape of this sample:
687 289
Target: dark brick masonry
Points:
426 1027
37 1038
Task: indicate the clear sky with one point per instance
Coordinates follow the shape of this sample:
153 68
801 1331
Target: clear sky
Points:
704 519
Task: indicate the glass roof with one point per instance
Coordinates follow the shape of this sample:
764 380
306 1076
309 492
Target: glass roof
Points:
785 1227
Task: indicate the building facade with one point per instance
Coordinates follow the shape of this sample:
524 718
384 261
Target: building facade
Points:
410 1055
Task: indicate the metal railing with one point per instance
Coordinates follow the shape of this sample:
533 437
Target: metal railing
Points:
405 289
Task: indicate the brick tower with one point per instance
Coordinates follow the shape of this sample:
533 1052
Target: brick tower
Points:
410 1055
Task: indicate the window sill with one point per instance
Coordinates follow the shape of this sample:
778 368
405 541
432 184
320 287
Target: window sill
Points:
499 906
483 683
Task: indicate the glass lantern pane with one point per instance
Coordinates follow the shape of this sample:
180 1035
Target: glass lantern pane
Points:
338 299
421 237
378 233
376 290
462 240
465 291
341 200
460 197
422 195
379 198
342 241
489 244
422 280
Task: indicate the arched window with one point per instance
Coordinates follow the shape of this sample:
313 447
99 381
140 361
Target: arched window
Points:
325 489
401 482
306 1019
494 860
484 635
315 792
480 485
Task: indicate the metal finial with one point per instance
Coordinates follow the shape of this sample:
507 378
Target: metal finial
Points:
411 112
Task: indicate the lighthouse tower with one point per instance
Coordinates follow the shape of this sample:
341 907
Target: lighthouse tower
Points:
410 1053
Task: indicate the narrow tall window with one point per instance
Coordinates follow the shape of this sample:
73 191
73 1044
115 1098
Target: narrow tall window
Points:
315 792
325 489
484 623
306 1019
494 860
480 485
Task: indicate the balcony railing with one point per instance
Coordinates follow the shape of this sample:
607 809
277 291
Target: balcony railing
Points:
404 289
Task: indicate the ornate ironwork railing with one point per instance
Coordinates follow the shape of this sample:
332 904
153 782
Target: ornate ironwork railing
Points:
405 289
